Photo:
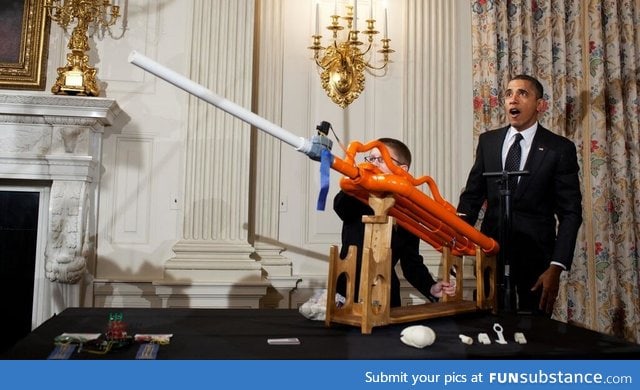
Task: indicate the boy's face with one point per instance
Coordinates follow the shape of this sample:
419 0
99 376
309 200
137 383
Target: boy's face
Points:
375 157
521 104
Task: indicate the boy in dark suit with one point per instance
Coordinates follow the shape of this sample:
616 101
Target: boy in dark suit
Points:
546 204
404 245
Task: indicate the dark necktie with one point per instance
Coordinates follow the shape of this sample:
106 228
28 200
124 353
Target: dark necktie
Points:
512 162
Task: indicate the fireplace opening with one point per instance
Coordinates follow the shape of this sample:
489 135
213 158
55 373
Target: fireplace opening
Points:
18 249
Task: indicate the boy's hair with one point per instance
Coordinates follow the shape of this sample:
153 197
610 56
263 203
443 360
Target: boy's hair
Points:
401 150
537 85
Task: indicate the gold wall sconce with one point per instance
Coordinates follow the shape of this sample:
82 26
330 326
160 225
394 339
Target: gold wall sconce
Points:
78 77
342 63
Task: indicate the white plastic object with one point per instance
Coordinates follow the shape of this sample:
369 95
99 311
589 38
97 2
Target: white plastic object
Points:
519 337
465 339
483 338
498 329
418 336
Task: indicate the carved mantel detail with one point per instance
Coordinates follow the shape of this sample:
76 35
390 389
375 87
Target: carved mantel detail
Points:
58 139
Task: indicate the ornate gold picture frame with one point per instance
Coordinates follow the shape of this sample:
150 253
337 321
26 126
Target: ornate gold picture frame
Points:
24 28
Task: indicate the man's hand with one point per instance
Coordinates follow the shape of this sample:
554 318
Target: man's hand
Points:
549 281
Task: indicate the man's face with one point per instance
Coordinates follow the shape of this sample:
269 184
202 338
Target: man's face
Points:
521 104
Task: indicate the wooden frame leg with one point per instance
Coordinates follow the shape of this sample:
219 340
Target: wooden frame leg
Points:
448 261
486 294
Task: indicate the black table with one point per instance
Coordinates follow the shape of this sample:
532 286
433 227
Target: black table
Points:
243 334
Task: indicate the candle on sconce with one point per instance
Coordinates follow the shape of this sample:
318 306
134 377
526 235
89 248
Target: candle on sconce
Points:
355 15
317 18
371 10
335 7
385 24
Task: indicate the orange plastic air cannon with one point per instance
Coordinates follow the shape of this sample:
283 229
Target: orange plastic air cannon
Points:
434 220
397 197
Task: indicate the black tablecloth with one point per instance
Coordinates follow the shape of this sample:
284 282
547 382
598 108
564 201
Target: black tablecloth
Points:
243 334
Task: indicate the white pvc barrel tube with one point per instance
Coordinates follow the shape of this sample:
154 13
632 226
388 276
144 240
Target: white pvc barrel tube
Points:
300 143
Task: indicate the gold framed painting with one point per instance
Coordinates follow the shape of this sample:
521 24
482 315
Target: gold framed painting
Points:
24 28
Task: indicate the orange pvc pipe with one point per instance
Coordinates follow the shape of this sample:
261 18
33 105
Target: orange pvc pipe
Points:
434 220
422 224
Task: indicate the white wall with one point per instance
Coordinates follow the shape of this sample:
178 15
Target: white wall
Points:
141 191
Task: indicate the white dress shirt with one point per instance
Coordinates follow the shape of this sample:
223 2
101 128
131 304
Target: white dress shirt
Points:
525 144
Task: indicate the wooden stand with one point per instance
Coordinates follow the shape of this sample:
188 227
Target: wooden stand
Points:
373 308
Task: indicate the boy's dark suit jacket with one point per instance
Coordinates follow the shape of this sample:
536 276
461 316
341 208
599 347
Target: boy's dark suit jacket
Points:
404 248
546 206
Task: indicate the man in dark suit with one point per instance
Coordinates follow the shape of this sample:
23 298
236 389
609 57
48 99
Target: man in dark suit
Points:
546 204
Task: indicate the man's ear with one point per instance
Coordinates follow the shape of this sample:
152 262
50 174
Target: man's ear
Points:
543 105
405 167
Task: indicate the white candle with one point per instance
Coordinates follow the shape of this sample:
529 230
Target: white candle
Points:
317 18
371 10
355 15
335 7
385 23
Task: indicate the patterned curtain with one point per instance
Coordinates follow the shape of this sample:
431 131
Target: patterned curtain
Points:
587 55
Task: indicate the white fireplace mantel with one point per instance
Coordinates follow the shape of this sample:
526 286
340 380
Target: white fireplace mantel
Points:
58 140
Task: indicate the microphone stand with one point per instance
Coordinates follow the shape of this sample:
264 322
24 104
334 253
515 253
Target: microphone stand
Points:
507 301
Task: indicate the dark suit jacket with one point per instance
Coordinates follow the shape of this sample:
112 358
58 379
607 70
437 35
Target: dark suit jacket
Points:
546 206
404 248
